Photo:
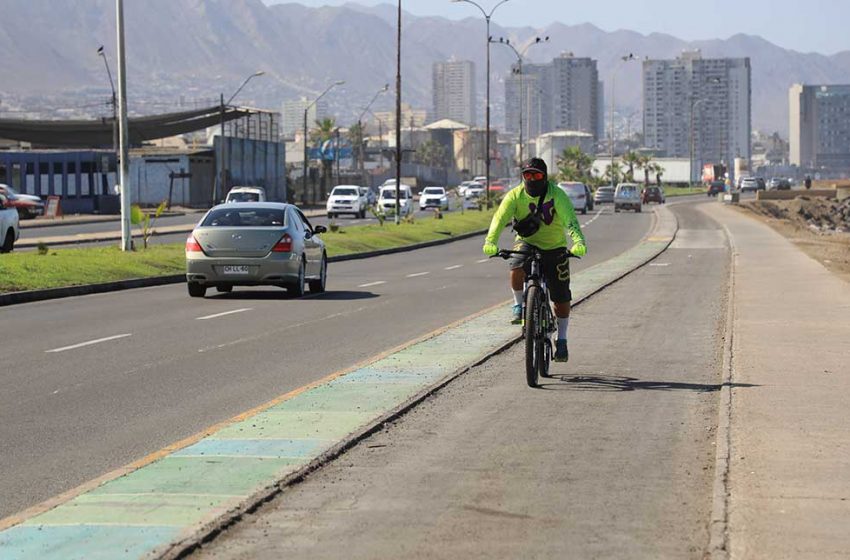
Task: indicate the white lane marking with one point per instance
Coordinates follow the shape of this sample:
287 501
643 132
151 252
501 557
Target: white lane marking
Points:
369 285
89 343
455 267
593 219
482 261
417 275
226 313
659 264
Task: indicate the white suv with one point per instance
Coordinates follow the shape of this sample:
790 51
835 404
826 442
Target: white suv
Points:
347 199
246 194
9 226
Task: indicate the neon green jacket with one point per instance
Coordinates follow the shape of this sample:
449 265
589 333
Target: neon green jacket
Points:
559 217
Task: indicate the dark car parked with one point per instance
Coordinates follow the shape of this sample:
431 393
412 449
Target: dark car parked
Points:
715 188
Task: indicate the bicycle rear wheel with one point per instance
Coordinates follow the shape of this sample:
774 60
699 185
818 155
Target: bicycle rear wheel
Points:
533 335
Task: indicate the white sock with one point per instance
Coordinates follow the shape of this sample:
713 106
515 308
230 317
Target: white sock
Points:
563 324
518 297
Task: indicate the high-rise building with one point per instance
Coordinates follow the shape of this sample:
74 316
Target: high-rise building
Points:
561 95
293 115
454 91
698 108
820 126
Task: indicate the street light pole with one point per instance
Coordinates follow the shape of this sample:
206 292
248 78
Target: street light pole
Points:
102 53
519 55
487 17
123 137
398 123
306 160
360 127
694 103
222 168
623 59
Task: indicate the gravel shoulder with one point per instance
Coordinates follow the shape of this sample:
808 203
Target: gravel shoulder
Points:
812 225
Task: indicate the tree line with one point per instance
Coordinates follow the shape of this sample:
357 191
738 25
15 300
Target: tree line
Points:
575 165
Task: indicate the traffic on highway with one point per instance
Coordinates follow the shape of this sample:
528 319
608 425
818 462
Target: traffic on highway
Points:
460 279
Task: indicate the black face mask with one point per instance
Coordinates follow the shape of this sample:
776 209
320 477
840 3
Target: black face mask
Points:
536 189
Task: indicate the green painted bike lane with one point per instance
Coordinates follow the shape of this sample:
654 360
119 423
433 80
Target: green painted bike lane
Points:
176 498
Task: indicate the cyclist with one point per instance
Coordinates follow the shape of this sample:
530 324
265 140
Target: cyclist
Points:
541 203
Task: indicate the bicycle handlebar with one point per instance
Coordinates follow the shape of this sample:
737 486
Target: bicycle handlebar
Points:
506 254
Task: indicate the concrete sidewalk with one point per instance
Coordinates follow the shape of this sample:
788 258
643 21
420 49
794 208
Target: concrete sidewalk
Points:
789 476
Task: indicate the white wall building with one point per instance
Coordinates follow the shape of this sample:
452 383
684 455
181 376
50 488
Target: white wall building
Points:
698 107
454 91
551 145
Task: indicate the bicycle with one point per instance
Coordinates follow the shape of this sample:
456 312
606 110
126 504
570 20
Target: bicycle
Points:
539 323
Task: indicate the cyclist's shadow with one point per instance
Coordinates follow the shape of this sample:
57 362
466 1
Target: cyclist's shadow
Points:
568 382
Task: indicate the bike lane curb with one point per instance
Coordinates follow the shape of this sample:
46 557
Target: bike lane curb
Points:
174 501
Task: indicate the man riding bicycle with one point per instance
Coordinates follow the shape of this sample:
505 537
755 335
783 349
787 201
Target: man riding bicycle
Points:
542 213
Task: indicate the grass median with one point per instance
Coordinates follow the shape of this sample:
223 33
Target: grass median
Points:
683 191
60 267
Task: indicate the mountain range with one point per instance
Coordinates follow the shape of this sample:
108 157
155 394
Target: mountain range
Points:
195 49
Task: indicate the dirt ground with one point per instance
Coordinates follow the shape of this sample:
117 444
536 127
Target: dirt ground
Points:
820 227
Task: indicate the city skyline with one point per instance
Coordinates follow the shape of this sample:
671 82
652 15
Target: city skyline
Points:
822 32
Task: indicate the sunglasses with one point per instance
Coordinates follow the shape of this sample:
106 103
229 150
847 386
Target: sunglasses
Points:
532 175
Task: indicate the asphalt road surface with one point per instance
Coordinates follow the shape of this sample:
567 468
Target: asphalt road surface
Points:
93 383
611 459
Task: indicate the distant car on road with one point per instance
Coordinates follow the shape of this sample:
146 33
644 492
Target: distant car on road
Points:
652 194
627 197
749 184
604 195
370 195
778 184
387 198
715 188
9 225
434 197
246 194
27 205
578 194
259 244
347 199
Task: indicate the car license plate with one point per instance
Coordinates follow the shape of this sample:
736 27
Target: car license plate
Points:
235 270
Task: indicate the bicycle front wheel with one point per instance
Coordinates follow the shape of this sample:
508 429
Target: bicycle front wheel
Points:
533 334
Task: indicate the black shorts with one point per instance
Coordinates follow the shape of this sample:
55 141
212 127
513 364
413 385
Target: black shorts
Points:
556 270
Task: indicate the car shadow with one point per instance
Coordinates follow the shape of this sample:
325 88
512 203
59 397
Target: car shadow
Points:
278 295
622 384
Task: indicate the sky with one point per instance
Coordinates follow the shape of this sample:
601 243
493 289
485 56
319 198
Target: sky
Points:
821 26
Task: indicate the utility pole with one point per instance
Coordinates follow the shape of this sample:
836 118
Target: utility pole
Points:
126 239
398 123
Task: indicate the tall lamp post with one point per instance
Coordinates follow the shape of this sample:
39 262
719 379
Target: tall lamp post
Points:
519 55
102 54
623 59
306 160
123 132
221 166
487 17
360 126
398 121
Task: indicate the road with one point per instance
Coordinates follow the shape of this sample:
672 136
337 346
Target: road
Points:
94 383
611 459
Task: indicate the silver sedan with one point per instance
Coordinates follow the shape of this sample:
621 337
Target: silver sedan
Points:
256 244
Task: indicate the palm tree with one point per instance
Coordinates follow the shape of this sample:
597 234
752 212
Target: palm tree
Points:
615 170
574 165
631 159
431 153
324 131
355 136
645 162
658 171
